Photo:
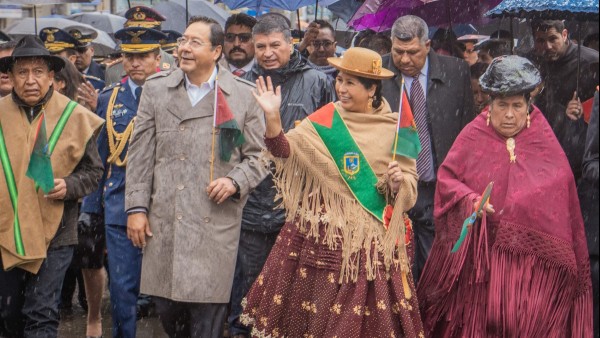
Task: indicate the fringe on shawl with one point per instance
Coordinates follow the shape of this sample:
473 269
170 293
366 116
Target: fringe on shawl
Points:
312 200
530 296
452 292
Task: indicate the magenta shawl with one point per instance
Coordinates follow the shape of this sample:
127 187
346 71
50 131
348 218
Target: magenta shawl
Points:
523 271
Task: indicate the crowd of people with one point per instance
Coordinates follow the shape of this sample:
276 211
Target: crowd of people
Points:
231 178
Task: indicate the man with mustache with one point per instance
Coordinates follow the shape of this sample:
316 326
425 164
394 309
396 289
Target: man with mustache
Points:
439 92
238 48
303 91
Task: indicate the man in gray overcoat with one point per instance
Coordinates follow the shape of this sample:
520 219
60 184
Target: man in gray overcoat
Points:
184 214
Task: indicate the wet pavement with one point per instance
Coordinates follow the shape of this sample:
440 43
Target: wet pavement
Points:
73 322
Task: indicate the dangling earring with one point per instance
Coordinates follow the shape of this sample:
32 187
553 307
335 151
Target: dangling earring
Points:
528 120
370 104
489 118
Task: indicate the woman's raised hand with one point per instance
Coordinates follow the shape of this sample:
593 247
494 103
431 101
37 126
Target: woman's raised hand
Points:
269 99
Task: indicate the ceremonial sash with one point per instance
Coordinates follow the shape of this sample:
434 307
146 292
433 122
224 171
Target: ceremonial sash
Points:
10 177
352 165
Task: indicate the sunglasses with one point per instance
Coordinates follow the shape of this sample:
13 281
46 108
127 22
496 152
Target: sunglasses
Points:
244 37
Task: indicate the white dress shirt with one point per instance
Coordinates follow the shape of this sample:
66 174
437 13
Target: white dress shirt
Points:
197 93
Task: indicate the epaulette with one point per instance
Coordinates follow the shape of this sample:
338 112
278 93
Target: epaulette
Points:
115 62
90 77
109 87
160 74
244 81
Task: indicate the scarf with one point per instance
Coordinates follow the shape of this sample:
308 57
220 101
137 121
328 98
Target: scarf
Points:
314 194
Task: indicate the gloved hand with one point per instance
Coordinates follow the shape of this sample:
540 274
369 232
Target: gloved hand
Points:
87 221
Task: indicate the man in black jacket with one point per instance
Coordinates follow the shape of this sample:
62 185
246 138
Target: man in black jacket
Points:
560 102
589 196
441 87
303 90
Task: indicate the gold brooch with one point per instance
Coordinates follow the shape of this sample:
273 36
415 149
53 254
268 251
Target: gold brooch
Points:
510 146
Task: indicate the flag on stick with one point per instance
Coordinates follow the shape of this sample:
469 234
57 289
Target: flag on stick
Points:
407 139
230 136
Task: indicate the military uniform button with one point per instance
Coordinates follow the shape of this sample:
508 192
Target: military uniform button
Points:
182 158
110 184
180 187
182 128
180 217
206 219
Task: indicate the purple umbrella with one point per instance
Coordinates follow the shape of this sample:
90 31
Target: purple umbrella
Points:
380 15
290 5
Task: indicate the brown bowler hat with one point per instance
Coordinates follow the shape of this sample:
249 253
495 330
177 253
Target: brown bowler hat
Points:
361 62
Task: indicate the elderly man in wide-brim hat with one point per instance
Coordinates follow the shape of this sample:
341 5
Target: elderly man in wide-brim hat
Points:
48 161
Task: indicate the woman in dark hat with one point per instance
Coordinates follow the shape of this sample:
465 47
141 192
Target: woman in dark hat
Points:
521 269
340 266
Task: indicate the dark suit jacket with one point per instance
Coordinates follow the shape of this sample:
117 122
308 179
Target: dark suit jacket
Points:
96 70
449 99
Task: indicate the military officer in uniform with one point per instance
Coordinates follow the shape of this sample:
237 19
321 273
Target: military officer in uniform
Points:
140 16
61 43
118 104
91 70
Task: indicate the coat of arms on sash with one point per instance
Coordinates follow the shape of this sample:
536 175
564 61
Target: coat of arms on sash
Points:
351 165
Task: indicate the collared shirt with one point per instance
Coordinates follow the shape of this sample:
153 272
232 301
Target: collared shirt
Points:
408 80
246 68
429 176
133 86
197 93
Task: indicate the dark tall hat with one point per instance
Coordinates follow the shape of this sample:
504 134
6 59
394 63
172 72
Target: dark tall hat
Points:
28 47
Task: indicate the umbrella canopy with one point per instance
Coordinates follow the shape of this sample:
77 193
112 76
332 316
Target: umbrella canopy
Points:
582 10
380 15
174 11
103 44
107 22
344 9
289 5
42 2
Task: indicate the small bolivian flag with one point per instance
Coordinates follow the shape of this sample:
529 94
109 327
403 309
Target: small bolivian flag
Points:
40 166
230 136
407 141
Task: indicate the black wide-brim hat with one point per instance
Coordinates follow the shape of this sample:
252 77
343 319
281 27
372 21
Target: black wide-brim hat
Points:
510 75
31 46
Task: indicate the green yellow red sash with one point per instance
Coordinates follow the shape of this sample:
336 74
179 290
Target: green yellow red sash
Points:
352 165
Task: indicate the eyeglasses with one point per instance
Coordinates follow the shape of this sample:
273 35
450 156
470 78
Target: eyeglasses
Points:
244 37
325 44
194 44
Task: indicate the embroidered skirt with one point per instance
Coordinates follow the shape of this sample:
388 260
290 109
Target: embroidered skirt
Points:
299 294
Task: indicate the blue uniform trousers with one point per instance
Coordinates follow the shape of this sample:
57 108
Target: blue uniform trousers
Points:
125 269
